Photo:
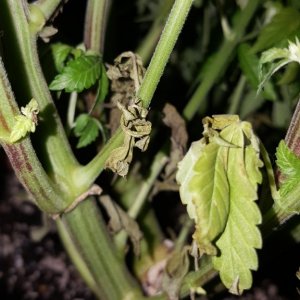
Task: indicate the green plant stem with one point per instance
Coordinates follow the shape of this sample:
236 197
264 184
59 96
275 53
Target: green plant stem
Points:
221 59
48 7
147 46
95 24
237 95
87 231
20 54
156 167
163 49
71 110
87 174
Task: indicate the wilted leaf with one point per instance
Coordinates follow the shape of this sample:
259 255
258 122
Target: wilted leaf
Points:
79 74
119 220
176 268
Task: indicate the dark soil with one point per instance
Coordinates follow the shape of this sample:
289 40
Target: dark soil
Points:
32 269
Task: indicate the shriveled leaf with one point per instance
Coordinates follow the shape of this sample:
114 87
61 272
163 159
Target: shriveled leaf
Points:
284 25
176 269
289 165
86 129
79 74
119 220
60 54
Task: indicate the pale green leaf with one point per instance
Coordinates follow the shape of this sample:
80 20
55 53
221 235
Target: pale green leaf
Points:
289 165
22 126
210 196
274 54
223 188
79 74
26 122
87 129
60 53
186 172
241 236
284 25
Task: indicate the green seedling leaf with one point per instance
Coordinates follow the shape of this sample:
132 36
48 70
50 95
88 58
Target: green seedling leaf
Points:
248 63
220 192
86 129
283 26
60 54
289 165
26 122
79 74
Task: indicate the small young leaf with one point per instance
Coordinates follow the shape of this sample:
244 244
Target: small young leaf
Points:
60 54
283 26
289 165
248 63
87 129
79 74
26 122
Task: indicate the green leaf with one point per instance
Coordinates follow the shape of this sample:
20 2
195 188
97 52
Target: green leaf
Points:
241 236
220 194
102 89
210 196
283 26
186 172
26 122
87 129
79 74
60 54
289 165
249 65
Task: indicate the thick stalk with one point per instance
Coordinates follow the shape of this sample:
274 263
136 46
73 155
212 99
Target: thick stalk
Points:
88 233
173 27
95 24
20 53
22 155
147 46
221 59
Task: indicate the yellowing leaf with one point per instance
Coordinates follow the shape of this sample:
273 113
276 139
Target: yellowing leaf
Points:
210 196
26 122
219 185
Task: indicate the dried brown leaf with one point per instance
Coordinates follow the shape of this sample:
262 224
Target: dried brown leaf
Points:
119 220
